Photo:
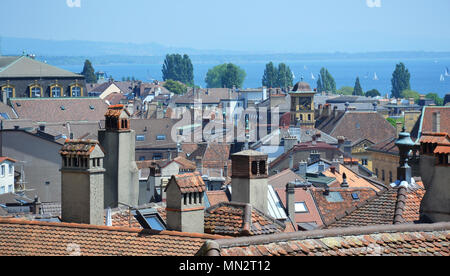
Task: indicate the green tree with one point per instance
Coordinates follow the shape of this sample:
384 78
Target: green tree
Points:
225 75
345 90
285 78
270 77
326 82
373 93
435 97
175 87
357 91
407 94
89 72
400 80
178 68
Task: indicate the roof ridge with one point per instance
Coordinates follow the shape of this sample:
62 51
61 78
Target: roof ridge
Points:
339 232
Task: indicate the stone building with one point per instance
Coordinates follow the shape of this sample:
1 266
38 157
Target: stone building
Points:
25 77
302 105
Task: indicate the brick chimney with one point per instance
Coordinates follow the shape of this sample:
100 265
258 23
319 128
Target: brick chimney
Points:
185 203
249 181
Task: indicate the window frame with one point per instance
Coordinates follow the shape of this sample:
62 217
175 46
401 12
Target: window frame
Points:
8 86
32 93
61 92
76 86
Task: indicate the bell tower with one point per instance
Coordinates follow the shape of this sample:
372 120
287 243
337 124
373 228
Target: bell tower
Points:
302 106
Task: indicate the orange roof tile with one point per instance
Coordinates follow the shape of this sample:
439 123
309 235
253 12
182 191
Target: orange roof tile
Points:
78 147
354 180
189 183
33 238
237 219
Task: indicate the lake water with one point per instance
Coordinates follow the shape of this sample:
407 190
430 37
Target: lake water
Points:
425 73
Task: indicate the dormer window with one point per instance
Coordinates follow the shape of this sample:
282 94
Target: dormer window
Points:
35 91
56 91
76 91
9 90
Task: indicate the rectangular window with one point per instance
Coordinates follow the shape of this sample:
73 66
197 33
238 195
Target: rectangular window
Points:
140 138
11 169
300 207
10 189
3 171
161 137
2 190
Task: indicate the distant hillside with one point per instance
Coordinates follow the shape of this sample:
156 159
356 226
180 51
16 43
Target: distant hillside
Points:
39 47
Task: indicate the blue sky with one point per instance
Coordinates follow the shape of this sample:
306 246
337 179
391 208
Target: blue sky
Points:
277 26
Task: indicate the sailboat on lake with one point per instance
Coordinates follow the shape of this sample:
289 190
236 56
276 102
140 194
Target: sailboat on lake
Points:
313 77
442 78
447 74
375 77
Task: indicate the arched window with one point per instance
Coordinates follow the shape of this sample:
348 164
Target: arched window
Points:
56 91
76 91
35 91
9 90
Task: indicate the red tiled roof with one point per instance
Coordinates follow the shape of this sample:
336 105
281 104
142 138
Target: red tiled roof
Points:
435 138
236 219
32 238
397 240
78 147
331 210
217 197
116 110
389 207
3 159
185 164
354 180
189 183
427 121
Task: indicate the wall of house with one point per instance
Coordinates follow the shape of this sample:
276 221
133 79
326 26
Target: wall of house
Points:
6 178
251 191
40 159
436 202
387 163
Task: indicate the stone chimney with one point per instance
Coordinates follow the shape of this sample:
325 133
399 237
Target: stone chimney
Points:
321 167
4 97
375 107
185 203
335 111
249 181
341 141
289 143
119 143
436 122
336 165
399 128
291 161
290 200
302 168
82 182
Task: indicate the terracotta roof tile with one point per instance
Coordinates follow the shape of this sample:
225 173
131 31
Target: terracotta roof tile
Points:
374 241
78 147
31 238
189 183
217 197
232 219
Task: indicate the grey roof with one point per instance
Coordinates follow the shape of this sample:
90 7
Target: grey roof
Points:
22 67
274 205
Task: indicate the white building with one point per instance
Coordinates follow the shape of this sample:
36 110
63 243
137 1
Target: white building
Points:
6 175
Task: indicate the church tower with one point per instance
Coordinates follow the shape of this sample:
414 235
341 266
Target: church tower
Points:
302 106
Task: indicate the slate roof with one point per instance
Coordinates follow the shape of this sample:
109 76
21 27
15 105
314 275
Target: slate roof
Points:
150 129
208 96
388 207
53 110
386 146
23 67
397 240
189 183
237 219
32 238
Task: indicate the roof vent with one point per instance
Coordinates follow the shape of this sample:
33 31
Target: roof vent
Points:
63 107
91 107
